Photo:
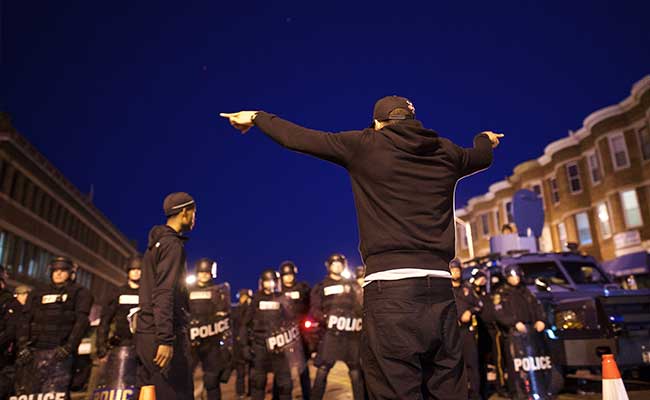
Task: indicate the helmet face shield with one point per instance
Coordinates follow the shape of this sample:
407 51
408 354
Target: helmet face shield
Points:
207 265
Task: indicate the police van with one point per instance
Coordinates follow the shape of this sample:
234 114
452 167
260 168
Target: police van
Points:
588 315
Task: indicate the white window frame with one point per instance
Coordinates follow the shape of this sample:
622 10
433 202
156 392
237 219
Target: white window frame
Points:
561 229
638 138
610 139
609 219
591 236
568 175
636 195
588 155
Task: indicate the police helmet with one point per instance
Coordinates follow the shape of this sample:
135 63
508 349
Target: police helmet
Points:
269 274
336 257
206 265
360 271
244 292
476 273
455 263
512 270
63 263
134 262
288 268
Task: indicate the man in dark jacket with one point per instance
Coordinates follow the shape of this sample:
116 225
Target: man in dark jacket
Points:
297 294
265 339
336 305
516 310
210 330
10 309
162 340
241 364
55 320
118 308
403 179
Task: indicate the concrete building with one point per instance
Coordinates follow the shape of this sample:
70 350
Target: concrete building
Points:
43 215
595 186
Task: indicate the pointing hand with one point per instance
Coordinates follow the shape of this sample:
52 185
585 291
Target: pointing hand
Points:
494 137
242 121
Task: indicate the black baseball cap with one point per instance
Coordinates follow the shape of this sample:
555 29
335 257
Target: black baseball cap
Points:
385 105
176 202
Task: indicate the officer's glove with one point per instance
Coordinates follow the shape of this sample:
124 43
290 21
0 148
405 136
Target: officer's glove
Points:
24 356
62 352
101 351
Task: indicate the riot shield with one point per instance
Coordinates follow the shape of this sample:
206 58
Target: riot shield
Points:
286 340
530 367
116 377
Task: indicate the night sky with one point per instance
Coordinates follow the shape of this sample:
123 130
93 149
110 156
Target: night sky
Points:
125 96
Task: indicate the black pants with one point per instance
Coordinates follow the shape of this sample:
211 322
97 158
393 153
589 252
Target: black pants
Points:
174 382
243 369
472 362
215 362
338 347
265 362
411 344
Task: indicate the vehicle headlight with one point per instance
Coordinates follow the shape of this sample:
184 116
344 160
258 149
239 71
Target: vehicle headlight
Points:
569 319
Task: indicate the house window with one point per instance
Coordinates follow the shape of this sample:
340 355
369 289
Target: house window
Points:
584 230
508 207
555 192
618 148
575 186
594 167
561 234
485 224
644 143
474 230
603 220
631 209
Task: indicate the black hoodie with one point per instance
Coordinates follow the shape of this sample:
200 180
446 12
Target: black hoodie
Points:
164 299
403 180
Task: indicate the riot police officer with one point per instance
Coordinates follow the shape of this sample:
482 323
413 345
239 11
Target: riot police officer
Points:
241 364
336 304
360 273
515 310
117 308
265 338
297 294
10 310
470 305
210 330
55 320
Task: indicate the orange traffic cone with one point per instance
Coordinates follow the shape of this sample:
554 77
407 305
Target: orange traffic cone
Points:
147 393
613 388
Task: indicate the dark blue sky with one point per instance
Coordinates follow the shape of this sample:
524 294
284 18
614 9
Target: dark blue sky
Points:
125 96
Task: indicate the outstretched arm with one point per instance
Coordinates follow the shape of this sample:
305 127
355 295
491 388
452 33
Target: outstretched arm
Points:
338 148
480 156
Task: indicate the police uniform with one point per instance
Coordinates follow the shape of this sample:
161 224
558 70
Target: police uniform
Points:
163 318
118 307
264 338
210 331
297 296
336 304
10 310
55 321
468 299
512 304
240 363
